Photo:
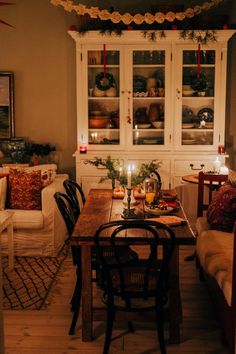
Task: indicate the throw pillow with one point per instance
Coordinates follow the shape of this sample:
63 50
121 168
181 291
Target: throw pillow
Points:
3 192
48 172
232 177
221 213
24 190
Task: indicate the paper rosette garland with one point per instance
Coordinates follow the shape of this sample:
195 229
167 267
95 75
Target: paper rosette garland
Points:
127 18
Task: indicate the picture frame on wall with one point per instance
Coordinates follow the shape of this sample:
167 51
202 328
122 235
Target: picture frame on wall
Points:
7 124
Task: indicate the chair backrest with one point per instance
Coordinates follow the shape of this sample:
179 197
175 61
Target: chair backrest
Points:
119 272
72 188
65 206
207 184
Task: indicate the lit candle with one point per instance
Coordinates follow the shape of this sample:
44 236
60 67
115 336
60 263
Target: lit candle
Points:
217 165
83 149
224 170
129 173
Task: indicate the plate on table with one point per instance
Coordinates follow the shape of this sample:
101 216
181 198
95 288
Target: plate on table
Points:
169 196
157 211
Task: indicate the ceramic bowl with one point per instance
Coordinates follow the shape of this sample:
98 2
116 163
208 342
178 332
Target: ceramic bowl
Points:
158 124
98 123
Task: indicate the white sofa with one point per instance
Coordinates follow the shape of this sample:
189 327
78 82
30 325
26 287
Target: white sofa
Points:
216 251
39 232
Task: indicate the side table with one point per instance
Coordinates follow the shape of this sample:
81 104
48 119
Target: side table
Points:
6 223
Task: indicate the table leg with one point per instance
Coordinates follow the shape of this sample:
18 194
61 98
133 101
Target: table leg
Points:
86 294
175 304
10 245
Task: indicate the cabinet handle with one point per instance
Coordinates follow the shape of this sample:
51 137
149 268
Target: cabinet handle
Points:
122 91
196 169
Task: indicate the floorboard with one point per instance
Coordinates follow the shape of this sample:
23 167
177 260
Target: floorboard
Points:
46 331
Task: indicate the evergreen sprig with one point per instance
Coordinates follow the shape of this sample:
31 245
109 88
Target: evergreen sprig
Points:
114 166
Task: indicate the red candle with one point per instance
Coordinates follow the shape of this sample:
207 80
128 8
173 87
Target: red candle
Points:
221 149
83 149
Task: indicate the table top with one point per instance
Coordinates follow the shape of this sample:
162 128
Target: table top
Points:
101 208
190 178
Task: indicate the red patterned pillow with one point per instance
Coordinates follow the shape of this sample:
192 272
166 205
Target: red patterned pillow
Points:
221 213
24 190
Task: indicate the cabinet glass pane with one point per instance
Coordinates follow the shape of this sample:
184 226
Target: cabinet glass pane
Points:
198 89
191 57
148 57
148 97
103 97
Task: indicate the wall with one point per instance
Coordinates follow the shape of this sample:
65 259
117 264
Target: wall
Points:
42 56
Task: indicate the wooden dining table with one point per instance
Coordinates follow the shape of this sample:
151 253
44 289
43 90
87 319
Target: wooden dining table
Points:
100 208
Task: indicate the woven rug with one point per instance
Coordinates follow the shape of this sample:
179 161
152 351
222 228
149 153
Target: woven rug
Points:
28 285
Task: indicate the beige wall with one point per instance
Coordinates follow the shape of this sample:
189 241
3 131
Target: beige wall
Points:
42 55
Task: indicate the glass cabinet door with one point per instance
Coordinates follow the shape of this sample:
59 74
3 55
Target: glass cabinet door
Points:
149 90
103 104
197 95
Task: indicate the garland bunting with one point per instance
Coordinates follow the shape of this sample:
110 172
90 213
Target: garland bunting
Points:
127 18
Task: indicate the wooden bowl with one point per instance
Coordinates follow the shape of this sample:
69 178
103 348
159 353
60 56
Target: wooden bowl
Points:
98 122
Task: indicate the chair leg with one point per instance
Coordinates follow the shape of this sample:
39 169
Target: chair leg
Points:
110 320
160 328
75 301
76 297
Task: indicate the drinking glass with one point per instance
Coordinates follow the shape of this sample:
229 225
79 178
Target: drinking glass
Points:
151 188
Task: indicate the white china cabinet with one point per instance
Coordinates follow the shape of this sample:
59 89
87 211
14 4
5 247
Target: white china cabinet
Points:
136 101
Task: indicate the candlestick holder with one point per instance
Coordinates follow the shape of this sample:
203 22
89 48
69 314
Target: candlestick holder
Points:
129 213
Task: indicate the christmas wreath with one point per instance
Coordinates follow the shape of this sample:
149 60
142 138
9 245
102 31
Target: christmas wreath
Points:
103 83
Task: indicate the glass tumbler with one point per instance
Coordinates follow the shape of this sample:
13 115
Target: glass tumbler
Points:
151 189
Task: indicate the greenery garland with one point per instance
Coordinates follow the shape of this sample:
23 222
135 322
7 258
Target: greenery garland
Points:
114 166
199 36
109 79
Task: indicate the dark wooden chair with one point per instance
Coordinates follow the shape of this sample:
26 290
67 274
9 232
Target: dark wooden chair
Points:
76 194
144 279
207 184
66 207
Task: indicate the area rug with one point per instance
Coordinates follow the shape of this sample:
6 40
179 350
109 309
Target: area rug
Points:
28 285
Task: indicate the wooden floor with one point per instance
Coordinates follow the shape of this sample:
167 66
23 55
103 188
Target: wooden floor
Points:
45 331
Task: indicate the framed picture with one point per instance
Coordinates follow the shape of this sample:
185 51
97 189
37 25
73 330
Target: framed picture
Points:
6 105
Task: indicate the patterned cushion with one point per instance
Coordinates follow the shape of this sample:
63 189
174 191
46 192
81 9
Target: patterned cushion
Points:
24 190
221 213
48 172
232 177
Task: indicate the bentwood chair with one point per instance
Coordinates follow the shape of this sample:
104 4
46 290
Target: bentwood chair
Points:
144 279
76 194
66 208
207 184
